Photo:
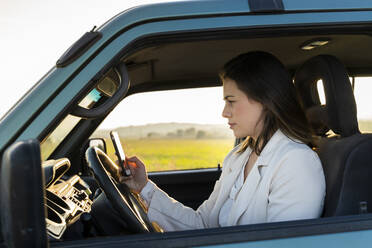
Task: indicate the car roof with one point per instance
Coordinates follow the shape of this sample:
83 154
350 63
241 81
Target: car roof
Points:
176 9
215 8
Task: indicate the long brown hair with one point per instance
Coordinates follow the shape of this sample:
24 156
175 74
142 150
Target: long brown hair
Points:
263 78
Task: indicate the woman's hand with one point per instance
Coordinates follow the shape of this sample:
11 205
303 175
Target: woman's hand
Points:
138 178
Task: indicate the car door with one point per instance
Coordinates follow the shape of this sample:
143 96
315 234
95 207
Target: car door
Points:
190 187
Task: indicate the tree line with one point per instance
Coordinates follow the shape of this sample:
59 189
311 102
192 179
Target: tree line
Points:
190 133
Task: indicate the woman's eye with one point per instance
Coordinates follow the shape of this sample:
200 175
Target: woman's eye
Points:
229 101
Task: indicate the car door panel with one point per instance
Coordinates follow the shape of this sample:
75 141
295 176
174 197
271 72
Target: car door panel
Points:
190 187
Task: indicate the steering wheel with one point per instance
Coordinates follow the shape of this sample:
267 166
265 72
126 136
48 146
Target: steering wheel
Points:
119 195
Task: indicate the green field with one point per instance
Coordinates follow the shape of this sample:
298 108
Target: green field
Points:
176 154
365 126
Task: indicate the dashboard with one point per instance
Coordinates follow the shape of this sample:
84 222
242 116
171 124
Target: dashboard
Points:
65 200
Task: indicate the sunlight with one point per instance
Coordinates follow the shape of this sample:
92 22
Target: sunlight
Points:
202 106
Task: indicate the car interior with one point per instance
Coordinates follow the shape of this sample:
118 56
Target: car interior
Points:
78 182
347 173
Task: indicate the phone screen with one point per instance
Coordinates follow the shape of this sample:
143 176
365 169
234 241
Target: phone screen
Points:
119 152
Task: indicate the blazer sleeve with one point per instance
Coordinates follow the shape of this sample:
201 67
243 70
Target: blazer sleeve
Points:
172 215
291 197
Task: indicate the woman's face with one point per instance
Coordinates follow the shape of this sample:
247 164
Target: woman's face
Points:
244 115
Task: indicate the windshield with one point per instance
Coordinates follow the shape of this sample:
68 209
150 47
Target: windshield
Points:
50 143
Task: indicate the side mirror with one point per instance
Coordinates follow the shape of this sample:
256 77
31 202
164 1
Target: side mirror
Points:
22 196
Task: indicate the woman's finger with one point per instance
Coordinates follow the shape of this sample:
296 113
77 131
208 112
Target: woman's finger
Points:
133 158
122 179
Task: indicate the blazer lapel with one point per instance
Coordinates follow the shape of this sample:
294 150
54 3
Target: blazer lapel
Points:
234 168
246 193
252 182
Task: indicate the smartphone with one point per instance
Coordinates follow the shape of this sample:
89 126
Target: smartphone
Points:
120 153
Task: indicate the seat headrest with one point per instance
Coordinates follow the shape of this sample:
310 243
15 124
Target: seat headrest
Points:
339 112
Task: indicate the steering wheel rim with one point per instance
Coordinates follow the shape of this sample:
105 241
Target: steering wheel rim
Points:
121 200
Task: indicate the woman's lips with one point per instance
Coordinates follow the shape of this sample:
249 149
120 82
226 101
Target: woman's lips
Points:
232 125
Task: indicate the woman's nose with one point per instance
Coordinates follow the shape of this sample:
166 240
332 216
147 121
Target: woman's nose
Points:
226 113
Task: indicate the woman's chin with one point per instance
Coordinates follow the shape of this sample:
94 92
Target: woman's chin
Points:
239 135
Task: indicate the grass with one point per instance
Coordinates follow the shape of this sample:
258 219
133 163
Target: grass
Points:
176 154
365 126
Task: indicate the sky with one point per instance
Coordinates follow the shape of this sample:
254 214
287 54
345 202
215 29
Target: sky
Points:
203 106
35 33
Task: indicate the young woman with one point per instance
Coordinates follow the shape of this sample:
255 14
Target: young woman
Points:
272 176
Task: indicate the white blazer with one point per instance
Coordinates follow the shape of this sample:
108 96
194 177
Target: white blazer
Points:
285 183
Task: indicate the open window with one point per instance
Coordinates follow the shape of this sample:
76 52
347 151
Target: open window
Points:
362 92
172 130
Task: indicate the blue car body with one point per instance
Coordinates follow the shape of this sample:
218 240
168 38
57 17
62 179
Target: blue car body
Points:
55 95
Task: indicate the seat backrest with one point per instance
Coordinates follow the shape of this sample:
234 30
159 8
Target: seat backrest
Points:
346 156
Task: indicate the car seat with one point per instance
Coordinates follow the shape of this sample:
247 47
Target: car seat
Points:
347 154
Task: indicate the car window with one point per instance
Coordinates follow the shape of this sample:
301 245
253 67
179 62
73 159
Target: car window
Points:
362 89
171 130
362 92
